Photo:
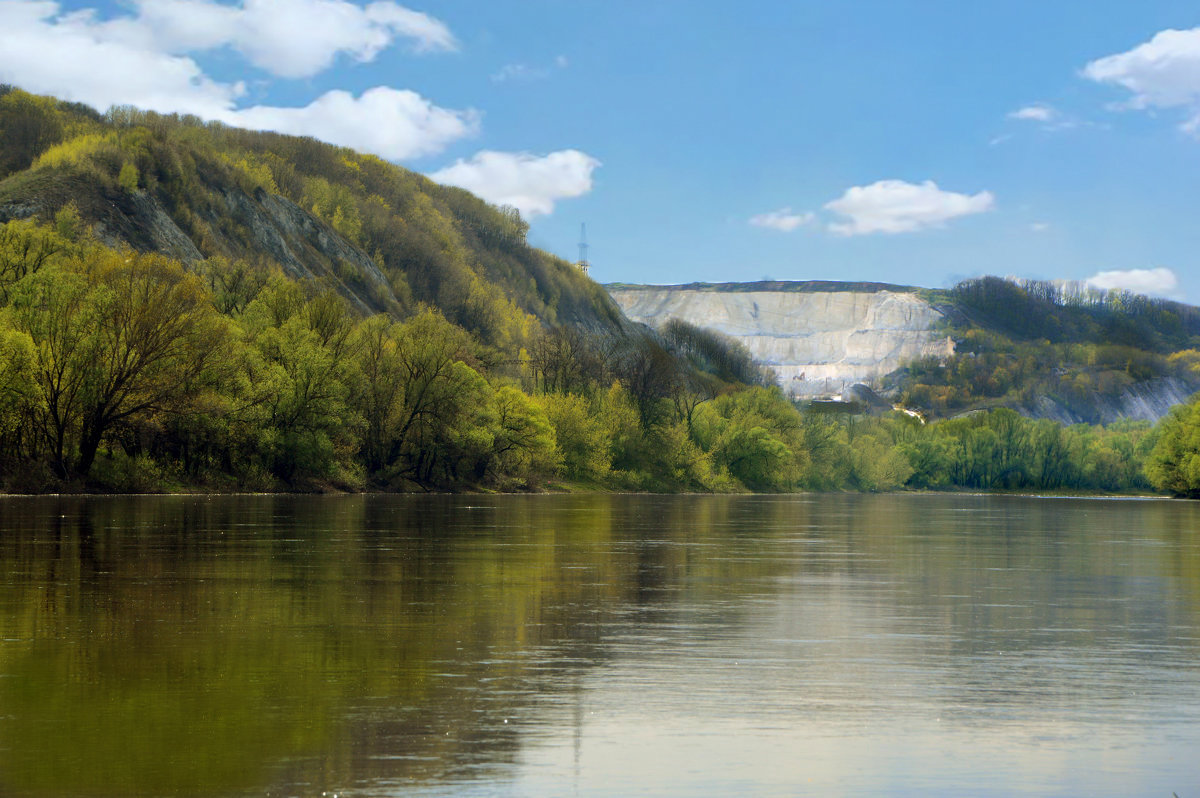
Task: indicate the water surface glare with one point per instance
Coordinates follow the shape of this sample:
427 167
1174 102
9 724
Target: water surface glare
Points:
923 645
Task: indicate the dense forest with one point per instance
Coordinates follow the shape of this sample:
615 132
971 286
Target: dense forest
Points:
188 306
128 371
386 238
1034 346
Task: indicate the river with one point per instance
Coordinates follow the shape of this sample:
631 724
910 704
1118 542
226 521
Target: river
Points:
908 645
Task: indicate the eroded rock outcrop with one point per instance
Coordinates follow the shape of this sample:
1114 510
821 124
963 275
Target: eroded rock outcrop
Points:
1144 401
240 224
819 342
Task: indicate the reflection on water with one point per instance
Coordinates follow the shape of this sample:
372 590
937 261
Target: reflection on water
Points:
596 645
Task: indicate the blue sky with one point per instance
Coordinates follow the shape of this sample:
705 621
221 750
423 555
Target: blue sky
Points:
888 140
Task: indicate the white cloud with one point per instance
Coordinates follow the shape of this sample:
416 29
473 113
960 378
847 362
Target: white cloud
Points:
519 72
137 60
525 72
1039 227
1159 282
1035 113
1049 118
73 57
289 38
396 124
895 206
782 220
1161 73
530 183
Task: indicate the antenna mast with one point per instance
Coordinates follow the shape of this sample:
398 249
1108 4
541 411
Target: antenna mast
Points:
583 248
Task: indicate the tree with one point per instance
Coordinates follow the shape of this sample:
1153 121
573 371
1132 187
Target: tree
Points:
28 125
294 393
19 396
565 360
24 249
648 373
756 435
430 417
1174 462
581 435
233 285
380 390
116 335
523 444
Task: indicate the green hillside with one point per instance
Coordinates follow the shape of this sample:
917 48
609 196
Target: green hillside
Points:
383 236
185 305
188 306
1045 352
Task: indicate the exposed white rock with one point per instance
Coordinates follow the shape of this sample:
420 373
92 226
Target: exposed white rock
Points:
818 342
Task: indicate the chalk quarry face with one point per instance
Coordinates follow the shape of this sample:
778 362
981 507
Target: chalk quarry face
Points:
819 343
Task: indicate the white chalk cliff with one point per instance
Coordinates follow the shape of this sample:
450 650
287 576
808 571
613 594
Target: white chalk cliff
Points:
818 342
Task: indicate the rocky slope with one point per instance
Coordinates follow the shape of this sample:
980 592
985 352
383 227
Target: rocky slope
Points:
1146 401
817 338
271 226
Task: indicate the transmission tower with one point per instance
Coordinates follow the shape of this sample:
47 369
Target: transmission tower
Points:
583 248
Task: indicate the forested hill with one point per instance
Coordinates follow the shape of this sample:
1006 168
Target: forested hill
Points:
1067 353
1064 352
383 236
184 305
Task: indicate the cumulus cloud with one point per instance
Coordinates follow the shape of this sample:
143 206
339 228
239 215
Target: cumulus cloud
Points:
1161 73
393 123
1157 282
76 58
1035 113
783 220
895 206
140 61
289 38
529 183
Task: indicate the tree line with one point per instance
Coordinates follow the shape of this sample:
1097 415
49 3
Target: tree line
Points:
129 371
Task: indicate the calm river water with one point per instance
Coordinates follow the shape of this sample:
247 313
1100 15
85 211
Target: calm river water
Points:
917 645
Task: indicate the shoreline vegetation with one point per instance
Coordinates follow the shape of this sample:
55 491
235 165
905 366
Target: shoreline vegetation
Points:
185 306
552 490
131 373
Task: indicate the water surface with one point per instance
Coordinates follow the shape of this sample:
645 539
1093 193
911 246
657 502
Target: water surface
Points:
599 645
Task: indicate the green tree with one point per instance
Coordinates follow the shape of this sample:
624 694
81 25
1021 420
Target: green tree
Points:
1174 462
756 435
294 394
582 437
19 395
25 248
523 444
28 126
876 464
117 335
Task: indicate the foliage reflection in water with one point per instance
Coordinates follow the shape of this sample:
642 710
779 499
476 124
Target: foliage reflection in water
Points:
591 644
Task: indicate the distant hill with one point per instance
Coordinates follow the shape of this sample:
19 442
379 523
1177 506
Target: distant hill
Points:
383 236
1072 356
